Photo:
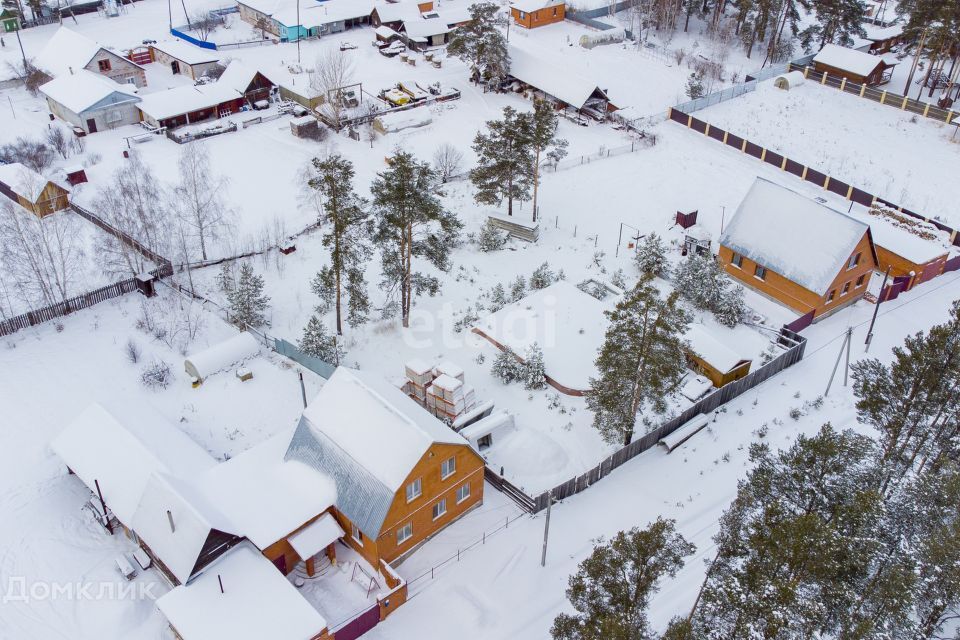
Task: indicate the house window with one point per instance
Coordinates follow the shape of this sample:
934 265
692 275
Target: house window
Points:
404 533
554 11
860 280
523 16
463 493
439 508
737 261
831 296
846 289
414 490
447 468
104 65
854 261
760 272
355 534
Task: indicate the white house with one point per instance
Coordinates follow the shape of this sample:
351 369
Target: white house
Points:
91 101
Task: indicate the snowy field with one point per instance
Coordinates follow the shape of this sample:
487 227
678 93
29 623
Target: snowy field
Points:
898 156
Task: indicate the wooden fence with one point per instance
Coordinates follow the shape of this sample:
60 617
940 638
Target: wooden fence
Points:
805 173
795 343
126 239
509 489
84 300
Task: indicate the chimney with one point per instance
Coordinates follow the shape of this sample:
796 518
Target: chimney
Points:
173 529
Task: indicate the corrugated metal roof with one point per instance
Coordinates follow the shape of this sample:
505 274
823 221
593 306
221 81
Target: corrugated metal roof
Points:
360 496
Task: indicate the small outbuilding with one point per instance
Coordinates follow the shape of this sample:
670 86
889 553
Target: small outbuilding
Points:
708 355
559 84
91 102
789 81
855 66
185 59
10 20
537 13
221 356
31 190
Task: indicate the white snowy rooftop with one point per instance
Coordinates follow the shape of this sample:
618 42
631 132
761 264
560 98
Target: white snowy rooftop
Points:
889 235
316 536
83 89
187 99
793 235
122 448
221 355
529 6
67 50
257 602
376 424
397 11
554 80
186 52
858 62
23 180
712 350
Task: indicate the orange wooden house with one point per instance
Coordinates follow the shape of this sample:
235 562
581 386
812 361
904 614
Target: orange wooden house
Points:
537 13
797 251
401 475
31 190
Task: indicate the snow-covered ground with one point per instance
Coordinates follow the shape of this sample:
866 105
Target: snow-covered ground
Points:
898 156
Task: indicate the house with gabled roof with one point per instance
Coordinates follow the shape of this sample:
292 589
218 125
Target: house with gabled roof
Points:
855 66
797 251
401 475
537 13
32 191
91 102
68 52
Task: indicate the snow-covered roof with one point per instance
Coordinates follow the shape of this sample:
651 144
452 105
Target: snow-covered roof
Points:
186 52
176 522
122 448
67 50
83 89
858 62
385 32
711 350
265 497
222 355
899 240
23 180
554 80
399 120
418 27
367 435
397 11
529 6
257 602
793 235
877 33
316 536
313 15
179 100
237 76
455 15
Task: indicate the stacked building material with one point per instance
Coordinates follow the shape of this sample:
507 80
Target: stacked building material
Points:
448 397
419 376
448 368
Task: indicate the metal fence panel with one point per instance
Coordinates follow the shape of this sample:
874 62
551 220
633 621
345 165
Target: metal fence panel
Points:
318 366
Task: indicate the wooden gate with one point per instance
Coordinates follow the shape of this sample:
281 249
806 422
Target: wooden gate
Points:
359 625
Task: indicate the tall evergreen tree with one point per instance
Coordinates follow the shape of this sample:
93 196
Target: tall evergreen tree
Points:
318 343
411 223
481 45
347 238
838 21
504 160
651 256
612 588
247 300
641 361
543 142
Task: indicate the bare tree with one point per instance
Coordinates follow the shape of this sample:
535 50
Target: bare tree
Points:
133 203
57 139
42 258
32 153
447 160
332 73
199 197
203 25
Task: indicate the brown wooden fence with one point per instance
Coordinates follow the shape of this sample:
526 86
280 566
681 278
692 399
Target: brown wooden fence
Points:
795 343
84 300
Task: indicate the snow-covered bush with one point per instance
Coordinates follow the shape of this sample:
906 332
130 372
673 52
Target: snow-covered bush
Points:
593 288
156 375
470 317
491 238
619 279
651 256
518 289
132 351
542 277
498 298
533 374
506 368
702 282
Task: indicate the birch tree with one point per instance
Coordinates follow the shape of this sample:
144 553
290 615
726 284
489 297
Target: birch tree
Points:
199 197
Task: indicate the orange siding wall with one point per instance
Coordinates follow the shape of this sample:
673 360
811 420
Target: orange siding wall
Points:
540 17
900 266
797 297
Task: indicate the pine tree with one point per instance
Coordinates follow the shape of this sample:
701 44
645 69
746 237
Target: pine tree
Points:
533 374
318 343
481 45
411 222
695 87
702 282
543 142
518 289
651 256
247 300
612 588
498 298
838 21
641 361
347 238
542 277
504 161
506 368
491 238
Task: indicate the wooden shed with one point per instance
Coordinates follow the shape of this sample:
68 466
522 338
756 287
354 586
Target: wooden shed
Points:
797 251
31 190
718 362
537 13
855 66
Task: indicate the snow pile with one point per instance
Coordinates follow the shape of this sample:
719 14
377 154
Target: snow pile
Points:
221 356
400 120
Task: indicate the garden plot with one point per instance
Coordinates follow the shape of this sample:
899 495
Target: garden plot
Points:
901 157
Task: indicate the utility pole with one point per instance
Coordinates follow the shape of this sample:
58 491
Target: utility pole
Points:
303 390
876 308
844 348
26 69
546 529
299 26
103 505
